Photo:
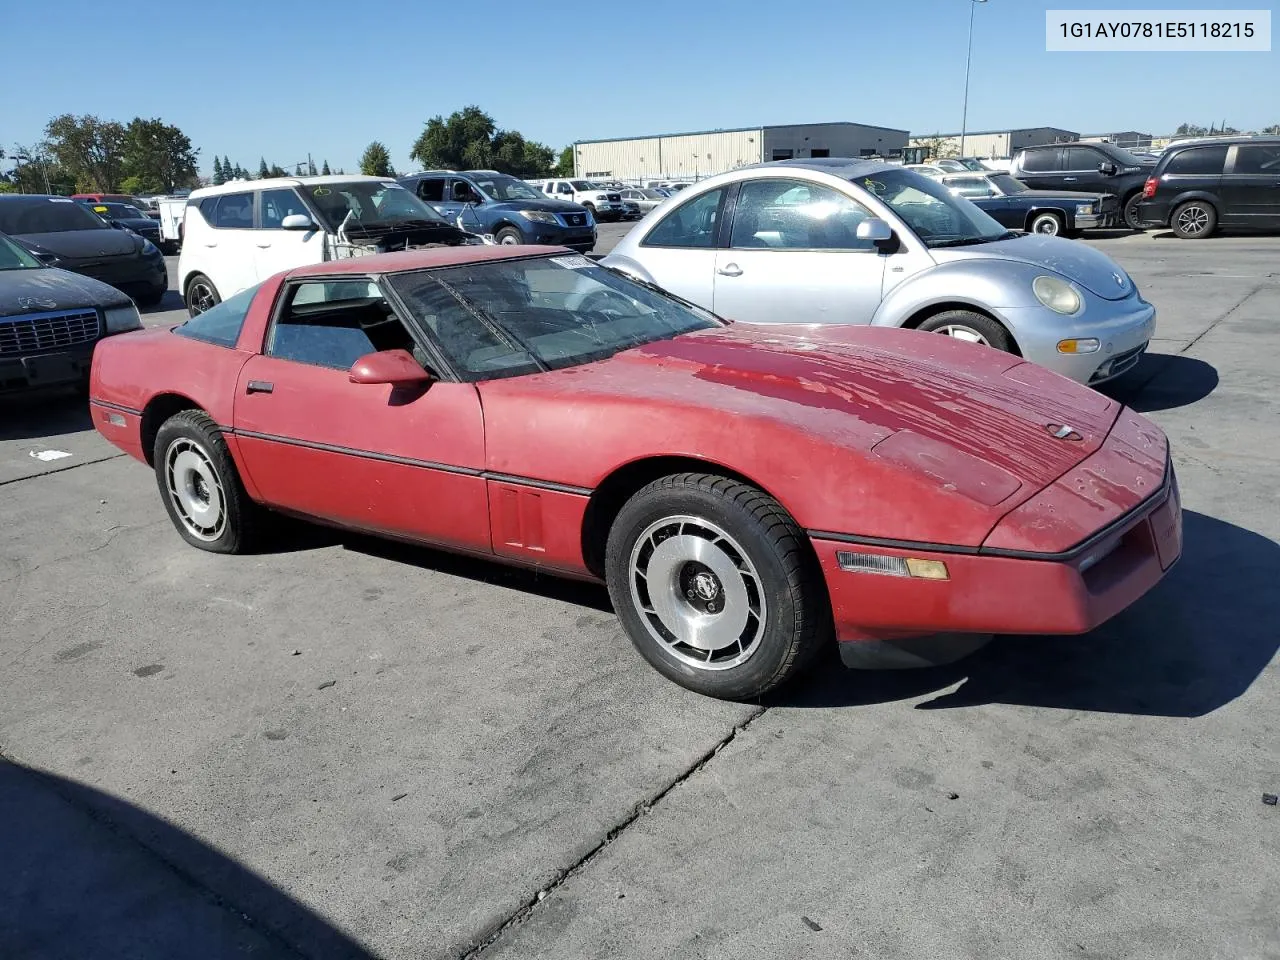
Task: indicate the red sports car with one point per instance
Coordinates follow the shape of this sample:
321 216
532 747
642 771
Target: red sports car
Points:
748 493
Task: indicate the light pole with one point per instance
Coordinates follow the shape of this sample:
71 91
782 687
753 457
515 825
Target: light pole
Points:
968 59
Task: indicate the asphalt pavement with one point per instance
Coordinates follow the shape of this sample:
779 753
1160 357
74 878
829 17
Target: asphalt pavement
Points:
349 748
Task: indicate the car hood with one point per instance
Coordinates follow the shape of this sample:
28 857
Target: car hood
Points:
44 289
551 206
140 223
83 244
1094 271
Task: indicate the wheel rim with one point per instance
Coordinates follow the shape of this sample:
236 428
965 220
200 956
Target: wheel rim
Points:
1131 211
201 297
960 332
195 489
508 240
1193 220
1048 225
697 593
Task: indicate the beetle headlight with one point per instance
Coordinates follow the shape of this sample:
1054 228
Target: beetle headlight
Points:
120 319
1058 295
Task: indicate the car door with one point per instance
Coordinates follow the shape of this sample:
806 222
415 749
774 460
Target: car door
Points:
227 252
275 248
430 190
376 457
1251 185
794 257
679 253
1041 168
1080 170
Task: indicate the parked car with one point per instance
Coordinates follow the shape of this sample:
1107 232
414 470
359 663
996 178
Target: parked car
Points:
1232 182
927 169
239 233
62 233
484 201
1087 167
50 321
107 198
949 165
128 217
1013 204
646 198
604 204
838 241
531 406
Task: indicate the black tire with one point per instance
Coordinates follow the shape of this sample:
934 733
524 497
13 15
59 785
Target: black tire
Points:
509 235
152 296
591 209
1047 223
1131 218
995 335
195 298
1194 220
191 439
764 550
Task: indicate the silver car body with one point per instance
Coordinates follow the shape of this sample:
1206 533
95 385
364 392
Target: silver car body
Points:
901 283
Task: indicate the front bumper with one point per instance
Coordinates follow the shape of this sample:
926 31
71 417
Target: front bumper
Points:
994 592
1097 221
52 369
1123 329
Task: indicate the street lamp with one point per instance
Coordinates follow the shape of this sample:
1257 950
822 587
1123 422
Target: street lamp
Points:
968 58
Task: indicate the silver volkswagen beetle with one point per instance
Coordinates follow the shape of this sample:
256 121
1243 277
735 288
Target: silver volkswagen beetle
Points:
853 241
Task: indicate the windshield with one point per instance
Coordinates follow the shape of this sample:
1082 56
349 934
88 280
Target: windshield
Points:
1008 184
503 187
1124 157
56 215
971 164
653 194
121 211
938 218
368 203
583 185
13 257
512 317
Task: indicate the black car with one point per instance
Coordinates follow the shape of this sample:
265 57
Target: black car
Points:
1088 167
1227 182
127 216
62 233
485 201
50 320
1053 212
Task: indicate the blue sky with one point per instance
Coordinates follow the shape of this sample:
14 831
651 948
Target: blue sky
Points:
251 79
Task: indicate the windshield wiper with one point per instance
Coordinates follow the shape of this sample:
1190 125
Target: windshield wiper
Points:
971 241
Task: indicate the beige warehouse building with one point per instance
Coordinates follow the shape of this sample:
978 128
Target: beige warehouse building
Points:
993 144
675 156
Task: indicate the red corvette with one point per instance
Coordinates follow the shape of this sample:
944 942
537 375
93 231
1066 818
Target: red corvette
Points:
747 493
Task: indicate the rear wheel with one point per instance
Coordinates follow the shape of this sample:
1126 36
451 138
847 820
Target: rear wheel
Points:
509 236
970 326
1194 220
200 487
201 295
713 583
1050 224
1131 218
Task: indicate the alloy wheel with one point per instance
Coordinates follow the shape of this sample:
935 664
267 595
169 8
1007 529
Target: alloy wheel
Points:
195 489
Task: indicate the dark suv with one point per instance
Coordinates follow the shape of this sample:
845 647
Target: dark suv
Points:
1088 167
1226 182
485 201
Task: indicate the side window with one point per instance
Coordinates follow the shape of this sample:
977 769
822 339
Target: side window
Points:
333 323
278 204
221 323
207 207
1258 158
692 224
1199 160
971 187
431 189
1083 158
234 212
790 215
1040 161
563 188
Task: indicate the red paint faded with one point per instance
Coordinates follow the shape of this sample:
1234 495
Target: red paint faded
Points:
862 433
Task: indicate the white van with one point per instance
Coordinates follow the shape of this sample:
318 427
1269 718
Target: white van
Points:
604 204
240 233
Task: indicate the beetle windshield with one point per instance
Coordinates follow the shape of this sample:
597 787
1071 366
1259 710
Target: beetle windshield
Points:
934 214
503 318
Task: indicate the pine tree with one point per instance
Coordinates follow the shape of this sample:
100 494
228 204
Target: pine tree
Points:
311 167
297 171
263 172
218 176
228 171
324 170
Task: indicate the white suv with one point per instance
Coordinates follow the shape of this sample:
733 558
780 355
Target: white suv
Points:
604 203
240 233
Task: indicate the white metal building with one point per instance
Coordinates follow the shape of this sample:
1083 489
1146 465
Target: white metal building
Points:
993 143
675 156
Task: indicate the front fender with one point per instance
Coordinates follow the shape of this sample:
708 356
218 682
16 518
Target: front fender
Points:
628 265
988 285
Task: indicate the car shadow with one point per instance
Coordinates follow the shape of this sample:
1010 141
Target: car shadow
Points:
1111 233
1192 645
43 413
1163 381
172 300
88 874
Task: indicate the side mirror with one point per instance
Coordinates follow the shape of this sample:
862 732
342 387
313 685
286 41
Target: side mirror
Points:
1107 168
875 230
396 367
297 221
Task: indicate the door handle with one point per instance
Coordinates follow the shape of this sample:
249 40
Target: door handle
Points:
730 270
259 386
211 245
264 246
1071 179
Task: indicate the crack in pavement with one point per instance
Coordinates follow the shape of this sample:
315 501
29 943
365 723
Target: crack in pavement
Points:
70 466
522 912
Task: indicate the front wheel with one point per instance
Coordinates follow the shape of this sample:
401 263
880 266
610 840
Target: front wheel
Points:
200 487
201 295
1131 218
1194 220
970 326
1049 224
509 236
714 584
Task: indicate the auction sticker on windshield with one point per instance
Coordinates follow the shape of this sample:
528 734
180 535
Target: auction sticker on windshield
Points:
573 263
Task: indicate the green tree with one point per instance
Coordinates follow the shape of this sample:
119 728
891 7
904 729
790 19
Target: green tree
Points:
324 169
278 171
35 171
564 165
158 157
469 139
376 161
219 177
90 149
263 172
1272 130
311 167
